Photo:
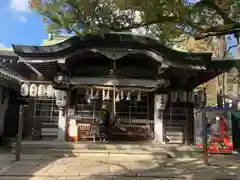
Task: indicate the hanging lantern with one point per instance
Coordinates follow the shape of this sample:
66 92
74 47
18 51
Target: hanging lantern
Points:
183 96
128 96
56 93
97 94
33 90
103 94
139 96
61 98
191 97
202 96
24 90
174 96
49 91
117 98
41 90
122 95
91 94
108 95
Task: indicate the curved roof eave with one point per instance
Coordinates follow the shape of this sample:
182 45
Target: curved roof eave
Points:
111 40
159 57
5 72
12 76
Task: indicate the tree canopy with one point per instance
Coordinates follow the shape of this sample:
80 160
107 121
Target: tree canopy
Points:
166 19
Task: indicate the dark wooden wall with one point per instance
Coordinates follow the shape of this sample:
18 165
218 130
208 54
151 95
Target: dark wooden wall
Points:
11 115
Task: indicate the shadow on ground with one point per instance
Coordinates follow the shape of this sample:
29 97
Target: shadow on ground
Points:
95 162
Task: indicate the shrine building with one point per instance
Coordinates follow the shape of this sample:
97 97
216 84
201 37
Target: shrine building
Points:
147 87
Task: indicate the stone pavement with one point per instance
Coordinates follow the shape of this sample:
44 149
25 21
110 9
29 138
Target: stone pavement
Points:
94 167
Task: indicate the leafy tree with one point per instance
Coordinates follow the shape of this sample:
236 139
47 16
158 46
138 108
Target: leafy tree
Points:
166 19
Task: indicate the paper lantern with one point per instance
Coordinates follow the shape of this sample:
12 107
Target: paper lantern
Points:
174 96
56 93
202 96
50 91
41 90
191 97
183 96
24 90
61 98
33 90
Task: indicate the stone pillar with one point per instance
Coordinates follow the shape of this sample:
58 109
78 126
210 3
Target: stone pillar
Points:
62 121
160 101
61 101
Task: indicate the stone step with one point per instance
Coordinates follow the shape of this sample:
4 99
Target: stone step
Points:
89 152
55 148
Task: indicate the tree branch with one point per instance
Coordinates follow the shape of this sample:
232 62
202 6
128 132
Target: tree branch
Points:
229 48
212 5
224 32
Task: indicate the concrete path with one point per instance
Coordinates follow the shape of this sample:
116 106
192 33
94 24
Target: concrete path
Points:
92 167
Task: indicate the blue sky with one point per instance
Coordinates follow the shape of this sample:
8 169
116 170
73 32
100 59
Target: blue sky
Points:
21 26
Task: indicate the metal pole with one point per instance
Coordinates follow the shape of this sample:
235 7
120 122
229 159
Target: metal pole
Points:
224 89
114 88
205 138
19 134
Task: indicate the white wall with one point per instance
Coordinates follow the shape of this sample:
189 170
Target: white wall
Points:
3 108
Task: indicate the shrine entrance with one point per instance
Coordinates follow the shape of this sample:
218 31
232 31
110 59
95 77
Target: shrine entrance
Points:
133 120
134 75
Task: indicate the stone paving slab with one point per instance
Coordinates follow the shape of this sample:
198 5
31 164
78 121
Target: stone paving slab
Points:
80 168
111 178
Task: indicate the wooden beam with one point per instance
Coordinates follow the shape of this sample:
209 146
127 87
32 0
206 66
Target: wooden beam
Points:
110 82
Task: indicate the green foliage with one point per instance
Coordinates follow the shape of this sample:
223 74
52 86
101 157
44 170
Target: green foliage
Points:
165 19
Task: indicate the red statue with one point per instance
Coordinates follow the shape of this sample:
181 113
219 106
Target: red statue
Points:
219 139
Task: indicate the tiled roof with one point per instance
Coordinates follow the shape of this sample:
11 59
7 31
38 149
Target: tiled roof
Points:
6 55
